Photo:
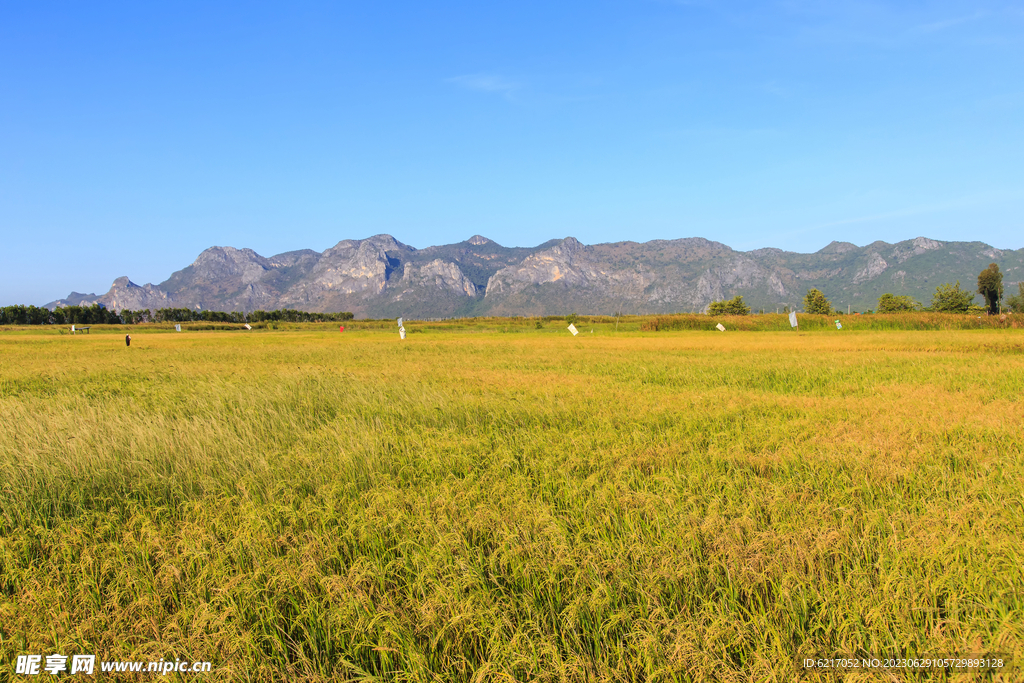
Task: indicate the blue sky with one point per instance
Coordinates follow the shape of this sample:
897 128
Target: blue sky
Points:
135 135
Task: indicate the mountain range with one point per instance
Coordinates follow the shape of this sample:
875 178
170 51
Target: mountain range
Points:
380 277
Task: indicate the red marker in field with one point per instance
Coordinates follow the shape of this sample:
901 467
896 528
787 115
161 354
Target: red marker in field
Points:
341 329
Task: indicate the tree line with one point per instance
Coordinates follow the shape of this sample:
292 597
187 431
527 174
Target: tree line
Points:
97 314
948 298
286 315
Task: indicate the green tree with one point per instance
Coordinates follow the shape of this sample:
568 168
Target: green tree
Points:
891 303
1016 302
951 299
733 306
990 286
815 302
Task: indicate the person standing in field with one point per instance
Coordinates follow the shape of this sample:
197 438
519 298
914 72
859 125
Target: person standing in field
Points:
127 340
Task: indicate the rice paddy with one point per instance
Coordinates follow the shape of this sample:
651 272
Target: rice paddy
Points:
472 505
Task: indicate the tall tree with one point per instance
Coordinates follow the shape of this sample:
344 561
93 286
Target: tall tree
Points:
990 286
815 302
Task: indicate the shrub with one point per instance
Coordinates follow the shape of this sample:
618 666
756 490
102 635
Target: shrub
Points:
951 299
733 306
1016 302
891 303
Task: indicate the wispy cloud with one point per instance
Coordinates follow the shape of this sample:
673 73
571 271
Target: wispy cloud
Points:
879 23
883 216
688 3
943 24
487 83
719 133
774 88
966 201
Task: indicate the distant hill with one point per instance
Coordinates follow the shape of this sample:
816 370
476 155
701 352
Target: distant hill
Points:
381 277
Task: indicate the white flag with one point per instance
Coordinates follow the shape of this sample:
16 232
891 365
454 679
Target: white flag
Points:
572 328
177 328
248 326
400 324
792 319
721 327
401 332
72 328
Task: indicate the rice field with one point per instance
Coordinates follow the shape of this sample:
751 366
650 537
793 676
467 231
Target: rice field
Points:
491 503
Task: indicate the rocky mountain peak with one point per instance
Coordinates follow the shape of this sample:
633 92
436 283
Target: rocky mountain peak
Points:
387 243
379 276
220 263
226 254
838 248
123 283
